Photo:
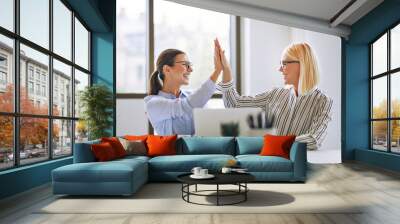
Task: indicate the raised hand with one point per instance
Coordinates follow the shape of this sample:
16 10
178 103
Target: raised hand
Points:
224 61
227 73
217 58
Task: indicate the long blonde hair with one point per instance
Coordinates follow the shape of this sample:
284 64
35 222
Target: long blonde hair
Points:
309 74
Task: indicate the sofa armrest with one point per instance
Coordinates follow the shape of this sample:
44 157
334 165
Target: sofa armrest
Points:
298 155
83 152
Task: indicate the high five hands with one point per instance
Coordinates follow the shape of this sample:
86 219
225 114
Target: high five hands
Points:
220 61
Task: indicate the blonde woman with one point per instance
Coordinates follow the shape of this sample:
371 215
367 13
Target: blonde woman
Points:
299 108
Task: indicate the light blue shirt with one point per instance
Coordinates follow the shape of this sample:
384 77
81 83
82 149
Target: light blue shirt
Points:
171 115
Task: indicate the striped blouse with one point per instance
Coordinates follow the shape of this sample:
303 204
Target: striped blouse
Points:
305 116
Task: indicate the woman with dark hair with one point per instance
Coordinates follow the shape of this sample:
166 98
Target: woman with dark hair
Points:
169 109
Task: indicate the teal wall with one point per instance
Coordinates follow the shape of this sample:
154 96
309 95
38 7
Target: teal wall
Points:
24 178
99 16
356 85
102 64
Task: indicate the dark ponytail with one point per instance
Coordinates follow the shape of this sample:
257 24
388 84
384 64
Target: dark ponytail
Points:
167 57
155 83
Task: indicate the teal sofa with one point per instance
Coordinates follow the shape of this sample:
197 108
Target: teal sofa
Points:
125 176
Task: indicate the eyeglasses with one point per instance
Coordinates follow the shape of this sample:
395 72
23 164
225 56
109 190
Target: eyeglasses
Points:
285 63
188 64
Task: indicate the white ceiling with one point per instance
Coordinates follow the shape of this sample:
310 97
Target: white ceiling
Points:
315 15
320 9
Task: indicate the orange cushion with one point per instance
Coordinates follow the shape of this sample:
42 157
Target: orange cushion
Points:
116 145
136 137
277 145
103 151
161 145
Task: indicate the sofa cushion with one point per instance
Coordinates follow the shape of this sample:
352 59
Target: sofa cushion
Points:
134 147
142 138
206 145
257 163
132 158
249 145
103 152
112 171
277 145
161 145
116 145
185 163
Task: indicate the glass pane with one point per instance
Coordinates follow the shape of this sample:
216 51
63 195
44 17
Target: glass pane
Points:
34 79
35 21
131 46
379 135
379 55
395 138
379 98
33 139
395 94
7 14
81 131
62 138
193 32
6 142
81 45
81 81
395 47
6 74
62 89
62 29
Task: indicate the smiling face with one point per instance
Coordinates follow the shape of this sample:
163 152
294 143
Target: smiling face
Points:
178 74
290 70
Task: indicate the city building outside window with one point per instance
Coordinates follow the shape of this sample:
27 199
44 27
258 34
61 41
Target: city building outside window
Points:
385 94
34 79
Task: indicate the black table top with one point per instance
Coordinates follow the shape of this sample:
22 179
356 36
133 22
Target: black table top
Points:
220 178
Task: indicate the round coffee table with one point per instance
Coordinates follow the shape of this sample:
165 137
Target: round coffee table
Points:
238 179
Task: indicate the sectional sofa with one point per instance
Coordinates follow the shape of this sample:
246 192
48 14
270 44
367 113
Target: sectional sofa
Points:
125 176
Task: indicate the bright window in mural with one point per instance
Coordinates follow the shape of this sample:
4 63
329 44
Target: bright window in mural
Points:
46 120
385 94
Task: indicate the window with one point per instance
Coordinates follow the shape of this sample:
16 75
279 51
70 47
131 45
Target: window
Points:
52 125
34 21
30 72
81 45
6 74
194 30
81 81
37 74
3 78
3 61
62 137
62 29
33 149
61 74
7 14
38 89
6 142
385 94
44 91
131 46
30 87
